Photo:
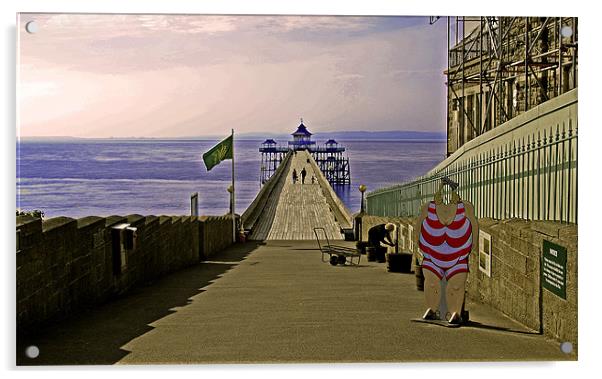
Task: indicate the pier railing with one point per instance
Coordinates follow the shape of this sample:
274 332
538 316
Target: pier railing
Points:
254 210
533 178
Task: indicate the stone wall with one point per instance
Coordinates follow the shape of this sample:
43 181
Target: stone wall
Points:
64 264
514 286
215 234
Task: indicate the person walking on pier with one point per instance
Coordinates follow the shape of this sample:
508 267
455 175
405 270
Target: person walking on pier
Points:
303 174
294 176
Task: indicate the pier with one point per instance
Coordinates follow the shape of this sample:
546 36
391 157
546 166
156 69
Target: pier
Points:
293 210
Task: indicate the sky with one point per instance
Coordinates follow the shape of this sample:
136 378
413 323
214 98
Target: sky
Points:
87 75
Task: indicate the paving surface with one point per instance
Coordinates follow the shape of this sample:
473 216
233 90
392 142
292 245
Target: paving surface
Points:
295 209
276 303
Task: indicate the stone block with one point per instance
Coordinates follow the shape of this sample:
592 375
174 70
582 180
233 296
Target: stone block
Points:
135 219
113 220
100 238
28 225
519 264
80 267
515 226
568 233
532 267
90 222
165 219
517 279
57 223
547 228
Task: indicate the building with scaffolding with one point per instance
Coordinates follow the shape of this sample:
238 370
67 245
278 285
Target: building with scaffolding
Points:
500 67
330 157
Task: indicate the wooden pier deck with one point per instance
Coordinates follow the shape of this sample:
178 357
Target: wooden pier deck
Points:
295 209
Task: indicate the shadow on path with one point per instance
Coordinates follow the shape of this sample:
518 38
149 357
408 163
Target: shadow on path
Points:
478 325
95 336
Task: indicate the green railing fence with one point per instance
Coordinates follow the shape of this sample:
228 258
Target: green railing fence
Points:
533 178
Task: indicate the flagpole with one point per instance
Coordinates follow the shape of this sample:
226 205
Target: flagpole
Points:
233 195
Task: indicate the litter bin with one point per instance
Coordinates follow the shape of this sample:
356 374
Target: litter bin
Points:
371 253
399 262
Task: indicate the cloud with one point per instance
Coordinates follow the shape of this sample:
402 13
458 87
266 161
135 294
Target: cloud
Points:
317 23
248 73
80 26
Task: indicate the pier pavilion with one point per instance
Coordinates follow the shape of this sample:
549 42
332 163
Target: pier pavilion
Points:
330 157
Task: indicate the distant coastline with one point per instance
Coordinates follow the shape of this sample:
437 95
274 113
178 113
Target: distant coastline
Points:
256 136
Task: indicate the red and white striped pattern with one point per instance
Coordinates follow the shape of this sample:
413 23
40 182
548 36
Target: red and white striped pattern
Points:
446 247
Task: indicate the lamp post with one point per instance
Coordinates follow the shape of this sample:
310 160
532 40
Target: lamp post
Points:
230 191
358 217
362 189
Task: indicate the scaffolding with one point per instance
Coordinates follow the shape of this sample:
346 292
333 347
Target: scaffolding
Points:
503 67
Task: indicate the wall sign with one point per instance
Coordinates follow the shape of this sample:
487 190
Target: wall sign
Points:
553 268
485 252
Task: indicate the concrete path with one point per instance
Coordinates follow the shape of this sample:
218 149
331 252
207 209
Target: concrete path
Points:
275 303
296 209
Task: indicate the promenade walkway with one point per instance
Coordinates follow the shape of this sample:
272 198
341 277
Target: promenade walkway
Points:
295 209
276 302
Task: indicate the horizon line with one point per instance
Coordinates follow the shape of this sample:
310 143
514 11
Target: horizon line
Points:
442 133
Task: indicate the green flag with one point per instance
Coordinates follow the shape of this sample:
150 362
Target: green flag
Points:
218 153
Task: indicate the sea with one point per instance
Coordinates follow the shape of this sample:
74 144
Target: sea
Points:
103 177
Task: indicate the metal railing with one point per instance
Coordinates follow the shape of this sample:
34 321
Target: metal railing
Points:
533 178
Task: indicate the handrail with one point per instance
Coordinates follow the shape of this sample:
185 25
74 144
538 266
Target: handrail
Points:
532 177
254 210
340 211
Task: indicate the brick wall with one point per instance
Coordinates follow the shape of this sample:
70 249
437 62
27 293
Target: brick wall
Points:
514 287
64 264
